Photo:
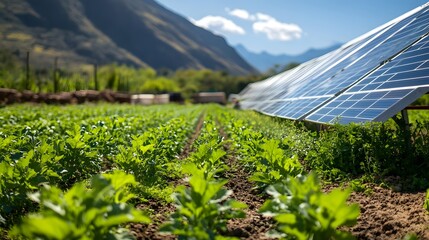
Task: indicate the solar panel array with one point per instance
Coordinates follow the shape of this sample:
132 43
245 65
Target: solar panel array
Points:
368 79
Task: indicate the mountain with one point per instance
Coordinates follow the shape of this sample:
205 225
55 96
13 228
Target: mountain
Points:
135 32
264 61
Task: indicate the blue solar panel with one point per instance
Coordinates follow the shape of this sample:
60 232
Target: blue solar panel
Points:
378 106
356 82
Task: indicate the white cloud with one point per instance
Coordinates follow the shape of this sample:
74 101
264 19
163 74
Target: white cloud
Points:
268 25
218 25
276 30
241 13
264 17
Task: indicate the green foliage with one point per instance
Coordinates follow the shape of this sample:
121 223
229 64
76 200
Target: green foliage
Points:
149 158
203 209
375 149
303 211
208 151
115 77
410 236
10 70
80 160
273 165
137 160
160 85
23 176
269 160
209 156
358 185
192 81
63 145
82 213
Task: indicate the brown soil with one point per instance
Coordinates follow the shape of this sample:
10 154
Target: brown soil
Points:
254 226
188 147
386 214
159 213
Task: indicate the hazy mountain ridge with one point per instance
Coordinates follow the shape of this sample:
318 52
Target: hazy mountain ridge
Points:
264 61
137 32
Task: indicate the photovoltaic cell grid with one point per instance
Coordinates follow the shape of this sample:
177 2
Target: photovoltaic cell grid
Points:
358 107
384 92
313 86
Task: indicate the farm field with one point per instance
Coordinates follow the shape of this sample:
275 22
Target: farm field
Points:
110 171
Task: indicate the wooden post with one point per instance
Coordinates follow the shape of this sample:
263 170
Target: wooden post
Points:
405 118
404 124
95 77
54 76
407 131
27 70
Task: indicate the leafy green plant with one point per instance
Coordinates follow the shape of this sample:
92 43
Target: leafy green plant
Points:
273 165
208 147
150 155
23 176
82 213
203 209
136 159
302 211
209 156
358 185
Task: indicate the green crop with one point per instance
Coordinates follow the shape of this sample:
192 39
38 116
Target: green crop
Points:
273 165
23 176
209 153
150 155
203 209
302 211
82 213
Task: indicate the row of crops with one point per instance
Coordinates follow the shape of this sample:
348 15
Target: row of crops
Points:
82 170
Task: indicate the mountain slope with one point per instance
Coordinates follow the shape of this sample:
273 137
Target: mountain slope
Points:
264 61
136 32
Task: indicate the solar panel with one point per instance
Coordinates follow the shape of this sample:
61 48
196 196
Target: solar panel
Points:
364 80
385 91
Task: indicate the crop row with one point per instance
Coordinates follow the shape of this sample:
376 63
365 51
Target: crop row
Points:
76 168
40 148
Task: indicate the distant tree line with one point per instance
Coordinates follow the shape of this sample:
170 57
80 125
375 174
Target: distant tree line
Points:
122 78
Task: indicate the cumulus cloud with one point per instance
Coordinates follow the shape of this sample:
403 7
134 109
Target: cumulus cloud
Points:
218 25
275 30
264 17
268 25
241 13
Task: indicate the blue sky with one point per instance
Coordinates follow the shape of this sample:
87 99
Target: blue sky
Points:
290 26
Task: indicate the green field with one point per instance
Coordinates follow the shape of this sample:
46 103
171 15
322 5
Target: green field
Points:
94 171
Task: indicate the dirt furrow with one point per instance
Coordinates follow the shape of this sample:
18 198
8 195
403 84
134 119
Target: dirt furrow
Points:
187 150
254 226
